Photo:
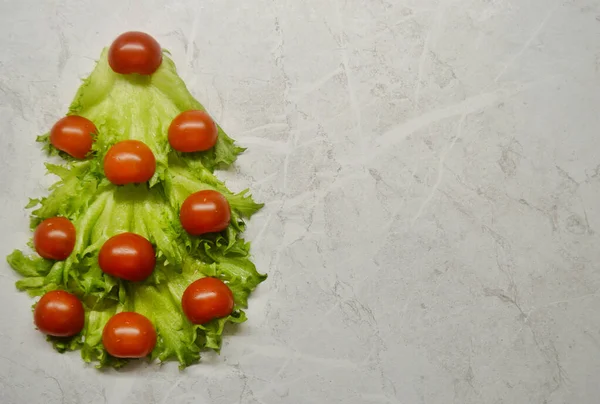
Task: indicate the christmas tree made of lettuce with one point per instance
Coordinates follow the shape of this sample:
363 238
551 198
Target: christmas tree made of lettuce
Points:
141 107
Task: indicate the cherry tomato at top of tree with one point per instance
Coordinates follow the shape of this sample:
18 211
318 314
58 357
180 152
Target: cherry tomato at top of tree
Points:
54 238
59 313
73 135
134 52
129 335
127 256
206 299
193 131
205 212
128 162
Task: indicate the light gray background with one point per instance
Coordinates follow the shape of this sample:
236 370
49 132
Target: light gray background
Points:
432 184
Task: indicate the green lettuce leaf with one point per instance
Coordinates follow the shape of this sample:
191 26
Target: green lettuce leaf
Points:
141 107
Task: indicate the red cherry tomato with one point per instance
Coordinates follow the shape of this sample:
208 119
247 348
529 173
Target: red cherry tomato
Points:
59 313
127 256
205 212
206 299
73 135
192 131
134 52
54 238
129 161
128 335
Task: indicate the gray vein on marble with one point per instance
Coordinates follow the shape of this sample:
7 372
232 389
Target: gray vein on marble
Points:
432 184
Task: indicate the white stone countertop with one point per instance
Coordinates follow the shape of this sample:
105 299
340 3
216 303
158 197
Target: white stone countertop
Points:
431 174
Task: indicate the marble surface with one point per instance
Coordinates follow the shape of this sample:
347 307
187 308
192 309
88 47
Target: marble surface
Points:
432 184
